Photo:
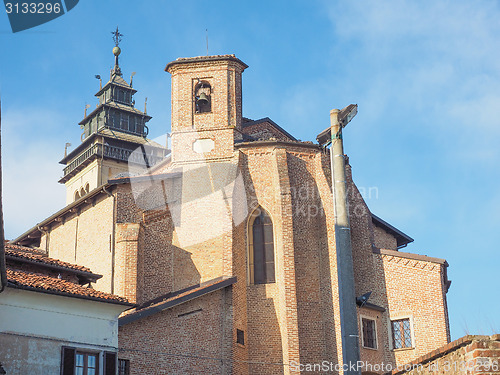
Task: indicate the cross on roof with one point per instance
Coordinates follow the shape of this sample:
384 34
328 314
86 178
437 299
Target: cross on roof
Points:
117 36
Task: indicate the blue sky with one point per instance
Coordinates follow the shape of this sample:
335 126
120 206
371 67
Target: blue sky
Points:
425 74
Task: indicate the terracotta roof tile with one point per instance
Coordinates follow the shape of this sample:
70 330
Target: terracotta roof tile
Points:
36 255
181 60
37 282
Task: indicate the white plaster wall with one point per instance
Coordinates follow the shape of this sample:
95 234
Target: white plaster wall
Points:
58 317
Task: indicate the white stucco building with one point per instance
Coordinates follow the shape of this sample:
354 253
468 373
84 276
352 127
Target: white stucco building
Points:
53 321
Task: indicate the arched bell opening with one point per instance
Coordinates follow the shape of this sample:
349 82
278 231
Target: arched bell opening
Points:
203 97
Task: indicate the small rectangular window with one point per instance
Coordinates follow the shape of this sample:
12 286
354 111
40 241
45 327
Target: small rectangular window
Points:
76 362
369 333
123 367
401 333
240 337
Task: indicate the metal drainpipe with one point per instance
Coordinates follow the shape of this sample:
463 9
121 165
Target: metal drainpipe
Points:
347 296
112 241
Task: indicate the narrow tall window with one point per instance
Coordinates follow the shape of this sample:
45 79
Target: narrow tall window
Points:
401 333
262 244
369 333
203 97
123 367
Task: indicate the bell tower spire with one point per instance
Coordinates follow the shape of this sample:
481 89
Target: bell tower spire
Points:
111 134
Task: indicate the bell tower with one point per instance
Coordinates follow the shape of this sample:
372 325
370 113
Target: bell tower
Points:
206 107
114 139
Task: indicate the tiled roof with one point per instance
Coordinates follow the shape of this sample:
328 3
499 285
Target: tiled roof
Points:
117 81
36 282
115 105
183 60
203 58
36 255
129 137
249 123
125 107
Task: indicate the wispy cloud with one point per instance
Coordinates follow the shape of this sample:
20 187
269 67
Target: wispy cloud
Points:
428 73
434 51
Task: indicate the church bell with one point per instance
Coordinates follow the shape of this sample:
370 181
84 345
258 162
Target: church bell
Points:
202 99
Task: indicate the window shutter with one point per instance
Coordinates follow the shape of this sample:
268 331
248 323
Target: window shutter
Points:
68 361
109 363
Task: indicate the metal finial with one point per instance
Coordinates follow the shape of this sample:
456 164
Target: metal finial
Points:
66 148
117 36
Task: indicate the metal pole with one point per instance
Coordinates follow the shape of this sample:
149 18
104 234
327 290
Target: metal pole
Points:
3 275
347 296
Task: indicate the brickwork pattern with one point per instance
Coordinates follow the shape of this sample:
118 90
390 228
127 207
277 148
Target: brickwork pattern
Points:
295 319
414 290
469 355
192 338
384 240
126 260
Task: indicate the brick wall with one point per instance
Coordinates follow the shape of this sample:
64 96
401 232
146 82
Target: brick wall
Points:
468 355
222 124
384 240
191 338
129 237
194 238
415 291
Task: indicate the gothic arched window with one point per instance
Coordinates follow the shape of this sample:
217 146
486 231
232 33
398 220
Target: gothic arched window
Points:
261 248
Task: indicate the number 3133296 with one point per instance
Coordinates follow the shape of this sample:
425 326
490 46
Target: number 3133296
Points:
32 8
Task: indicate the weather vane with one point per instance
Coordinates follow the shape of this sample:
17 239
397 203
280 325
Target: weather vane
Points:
117 36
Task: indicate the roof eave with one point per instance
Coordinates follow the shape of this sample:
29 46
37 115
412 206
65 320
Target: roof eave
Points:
109 83
61 212
151 310
267 119
66 294
89 276
202 59
401 238
81 146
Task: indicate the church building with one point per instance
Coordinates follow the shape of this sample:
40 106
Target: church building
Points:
226 243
